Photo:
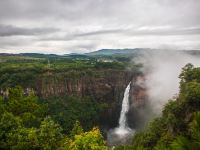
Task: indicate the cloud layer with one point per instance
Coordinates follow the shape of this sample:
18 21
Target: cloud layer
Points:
64 26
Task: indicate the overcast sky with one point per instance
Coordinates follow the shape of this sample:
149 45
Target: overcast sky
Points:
65 26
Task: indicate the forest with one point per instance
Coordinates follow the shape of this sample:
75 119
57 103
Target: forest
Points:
75 120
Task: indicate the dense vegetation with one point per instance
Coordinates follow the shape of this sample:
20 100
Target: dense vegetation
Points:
66 110
178 128
31 122
26 124
24 70
70 122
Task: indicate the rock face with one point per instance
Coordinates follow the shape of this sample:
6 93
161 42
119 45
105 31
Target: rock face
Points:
140 111
104 86
138 92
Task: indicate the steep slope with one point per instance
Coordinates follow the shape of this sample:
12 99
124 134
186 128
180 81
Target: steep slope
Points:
178 128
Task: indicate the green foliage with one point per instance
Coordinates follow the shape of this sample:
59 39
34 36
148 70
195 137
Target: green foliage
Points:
150 136
19 112
27 107
24 71
91 140
32 130
24 125
66 110
8 125
49 134
181 143
112 65
2 106
195 130
24 138
192 94
161 146
77 129
127 147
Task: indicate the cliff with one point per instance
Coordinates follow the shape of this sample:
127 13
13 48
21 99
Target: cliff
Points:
106 86
103 85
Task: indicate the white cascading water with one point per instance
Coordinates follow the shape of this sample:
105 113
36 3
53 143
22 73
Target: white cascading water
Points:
123 127
125 108
122 133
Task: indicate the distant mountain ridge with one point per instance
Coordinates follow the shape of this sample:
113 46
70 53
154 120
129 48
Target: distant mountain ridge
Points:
102 52
115 51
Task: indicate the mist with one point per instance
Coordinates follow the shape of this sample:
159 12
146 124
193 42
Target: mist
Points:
161 69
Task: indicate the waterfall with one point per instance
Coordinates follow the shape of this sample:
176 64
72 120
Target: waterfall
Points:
123 128
122 134
125 108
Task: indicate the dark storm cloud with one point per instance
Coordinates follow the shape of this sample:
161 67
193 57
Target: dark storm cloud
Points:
8 30
68 24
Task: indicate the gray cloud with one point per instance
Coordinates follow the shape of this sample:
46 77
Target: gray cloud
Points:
61 24
100 32
9 30
164 32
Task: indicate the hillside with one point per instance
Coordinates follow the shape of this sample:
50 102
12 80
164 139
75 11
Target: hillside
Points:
178 128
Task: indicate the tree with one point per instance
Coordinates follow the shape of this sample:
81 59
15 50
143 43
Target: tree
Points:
195 130
8 125
91 140
77 129
181 143
23 139
186 72
2 106
161 146
25 106
50 134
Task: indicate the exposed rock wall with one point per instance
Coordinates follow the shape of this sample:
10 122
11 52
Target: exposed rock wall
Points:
105 86
138 92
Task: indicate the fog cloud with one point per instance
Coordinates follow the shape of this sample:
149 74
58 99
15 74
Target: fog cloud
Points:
162 69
